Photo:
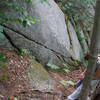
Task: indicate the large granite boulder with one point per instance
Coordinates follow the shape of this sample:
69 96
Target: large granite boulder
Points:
48 39
48 35
39 51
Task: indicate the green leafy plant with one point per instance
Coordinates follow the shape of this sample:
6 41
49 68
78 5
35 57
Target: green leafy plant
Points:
24 51
44 1
52 66
66 68
26 19
3 59
67 83
17 8
79 10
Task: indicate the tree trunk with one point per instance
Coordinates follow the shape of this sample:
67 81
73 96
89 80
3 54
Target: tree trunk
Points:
94 49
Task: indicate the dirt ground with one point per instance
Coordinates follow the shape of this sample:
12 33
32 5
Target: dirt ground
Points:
13 81
14 84
72 76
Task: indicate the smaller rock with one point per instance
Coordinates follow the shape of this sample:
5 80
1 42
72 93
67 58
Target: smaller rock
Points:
39 78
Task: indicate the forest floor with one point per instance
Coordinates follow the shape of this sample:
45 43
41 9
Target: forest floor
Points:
14 83
71 76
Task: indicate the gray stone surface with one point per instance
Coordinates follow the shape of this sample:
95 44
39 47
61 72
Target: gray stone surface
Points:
50 31
76 47
39 51
47 37
4 42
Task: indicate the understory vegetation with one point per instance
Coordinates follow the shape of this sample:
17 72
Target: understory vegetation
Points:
81 15
81 11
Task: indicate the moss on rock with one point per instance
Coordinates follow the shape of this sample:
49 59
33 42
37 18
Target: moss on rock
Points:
38 76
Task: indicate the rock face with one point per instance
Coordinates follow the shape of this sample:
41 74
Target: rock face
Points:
76 47
39 78
5 43
48 39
